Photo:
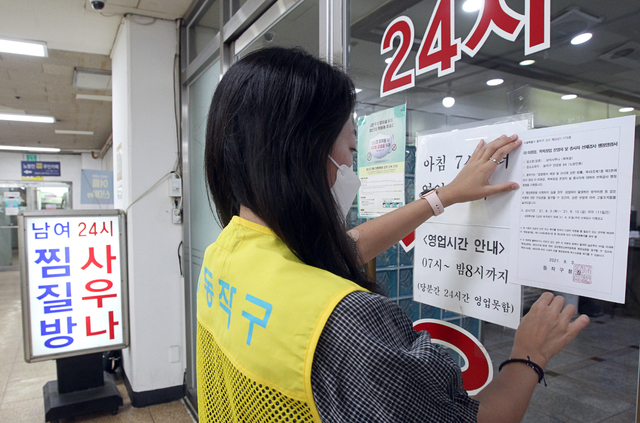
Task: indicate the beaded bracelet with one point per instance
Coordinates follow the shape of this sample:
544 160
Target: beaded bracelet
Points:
529 363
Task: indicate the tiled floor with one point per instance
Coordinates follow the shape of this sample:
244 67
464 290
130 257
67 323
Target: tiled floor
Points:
21 383
595 379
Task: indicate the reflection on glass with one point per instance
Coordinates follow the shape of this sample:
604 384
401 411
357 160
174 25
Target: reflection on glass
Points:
300 27
202 32
236 5
52 198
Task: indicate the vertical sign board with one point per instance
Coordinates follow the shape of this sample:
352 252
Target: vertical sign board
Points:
462 256
381 149
74 282
96 187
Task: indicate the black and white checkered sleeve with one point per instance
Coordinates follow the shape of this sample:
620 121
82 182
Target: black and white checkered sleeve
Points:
371 366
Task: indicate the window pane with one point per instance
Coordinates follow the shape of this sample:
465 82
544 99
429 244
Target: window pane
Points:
204 30
299 28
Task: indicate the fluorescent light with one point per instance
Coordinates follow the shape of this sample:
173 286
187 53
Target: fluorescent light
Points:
626 110
472 5
388 60
448 102
569 97
582 38
70 132
494 82
27 118
40 149
94 97
29 48
358 90
527 62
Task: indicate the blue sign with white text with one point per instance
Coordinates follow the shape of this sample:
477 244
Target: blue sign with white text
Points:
96 187
39 169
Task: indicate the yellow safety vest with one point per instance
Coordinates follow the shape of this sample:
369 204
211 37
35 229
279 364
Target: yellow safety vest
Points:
260 314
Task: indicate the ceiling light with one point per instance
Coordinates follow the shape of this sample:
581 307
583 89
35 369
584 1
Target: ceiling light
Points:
527 62
94 97
448 102
569 97
472 5
626 110
388 60
70 132
582 38
39 149
494 82
30 48
27 118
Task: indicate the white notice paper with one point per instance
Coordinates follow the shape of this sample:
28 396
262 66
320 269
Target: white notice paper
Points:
462 256
570 218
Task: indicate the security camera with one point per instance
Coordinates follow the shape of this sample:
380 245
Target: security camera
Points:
97 4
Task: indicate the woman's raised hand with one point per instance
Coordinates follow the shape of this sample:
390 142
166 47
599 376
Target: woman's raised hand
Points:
472 183
546 329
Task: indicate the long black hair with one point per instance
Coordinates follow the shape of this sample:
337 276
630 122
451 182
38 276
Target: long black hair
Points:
274 118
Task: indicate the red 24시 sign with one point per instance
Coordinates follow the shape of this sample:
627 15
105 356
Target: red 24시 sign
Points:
440 50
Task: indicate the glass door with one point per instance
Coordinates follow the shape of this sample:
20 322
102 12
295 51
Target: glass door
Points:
25 195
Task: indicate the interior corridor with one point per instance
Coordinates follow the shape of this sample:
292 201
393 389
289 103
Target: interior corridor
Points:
21 383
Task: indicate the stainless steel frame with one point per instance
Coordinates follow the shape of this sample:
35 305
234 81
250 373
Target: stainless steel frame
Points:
23 219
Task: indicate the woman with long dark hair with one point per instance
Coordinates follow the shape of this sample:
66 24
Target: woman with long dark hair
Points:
289 326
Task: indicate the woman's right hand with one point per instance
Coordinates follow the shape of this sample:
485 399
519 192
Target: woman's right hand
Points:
472 183
546 329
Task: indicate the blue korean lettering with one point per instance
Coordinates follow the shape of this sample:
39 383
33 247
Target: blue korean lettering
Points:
228 302
70 325
48 290
41 235
55 271
42 256
62 228
208 286
50 329
57 306
49 343
255 320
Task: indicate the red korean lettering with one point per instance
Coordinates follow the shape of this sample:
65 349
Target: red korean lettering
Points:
392 82
439 49
495 16
91 260
89 286
537 36
88 326
110 258
100 298
112 325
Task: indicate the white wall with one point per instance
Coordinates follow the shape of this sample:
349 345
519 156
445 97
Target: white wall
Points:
144 130
70 171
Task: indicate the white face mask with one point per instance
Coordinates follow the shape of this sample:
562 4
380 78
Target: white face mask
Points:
345 188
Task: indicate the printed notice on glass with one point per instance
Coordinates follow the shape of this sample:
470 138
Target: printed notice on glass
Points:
381 150
570 218
461 260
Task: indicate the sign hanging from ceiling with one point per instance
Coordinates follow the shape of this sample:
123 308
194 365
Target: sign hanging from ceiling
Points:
74 282
440 50
39 169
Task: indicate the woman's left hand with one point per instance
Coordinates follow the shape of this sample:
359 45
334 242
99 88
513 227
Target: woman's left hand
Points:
472 183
